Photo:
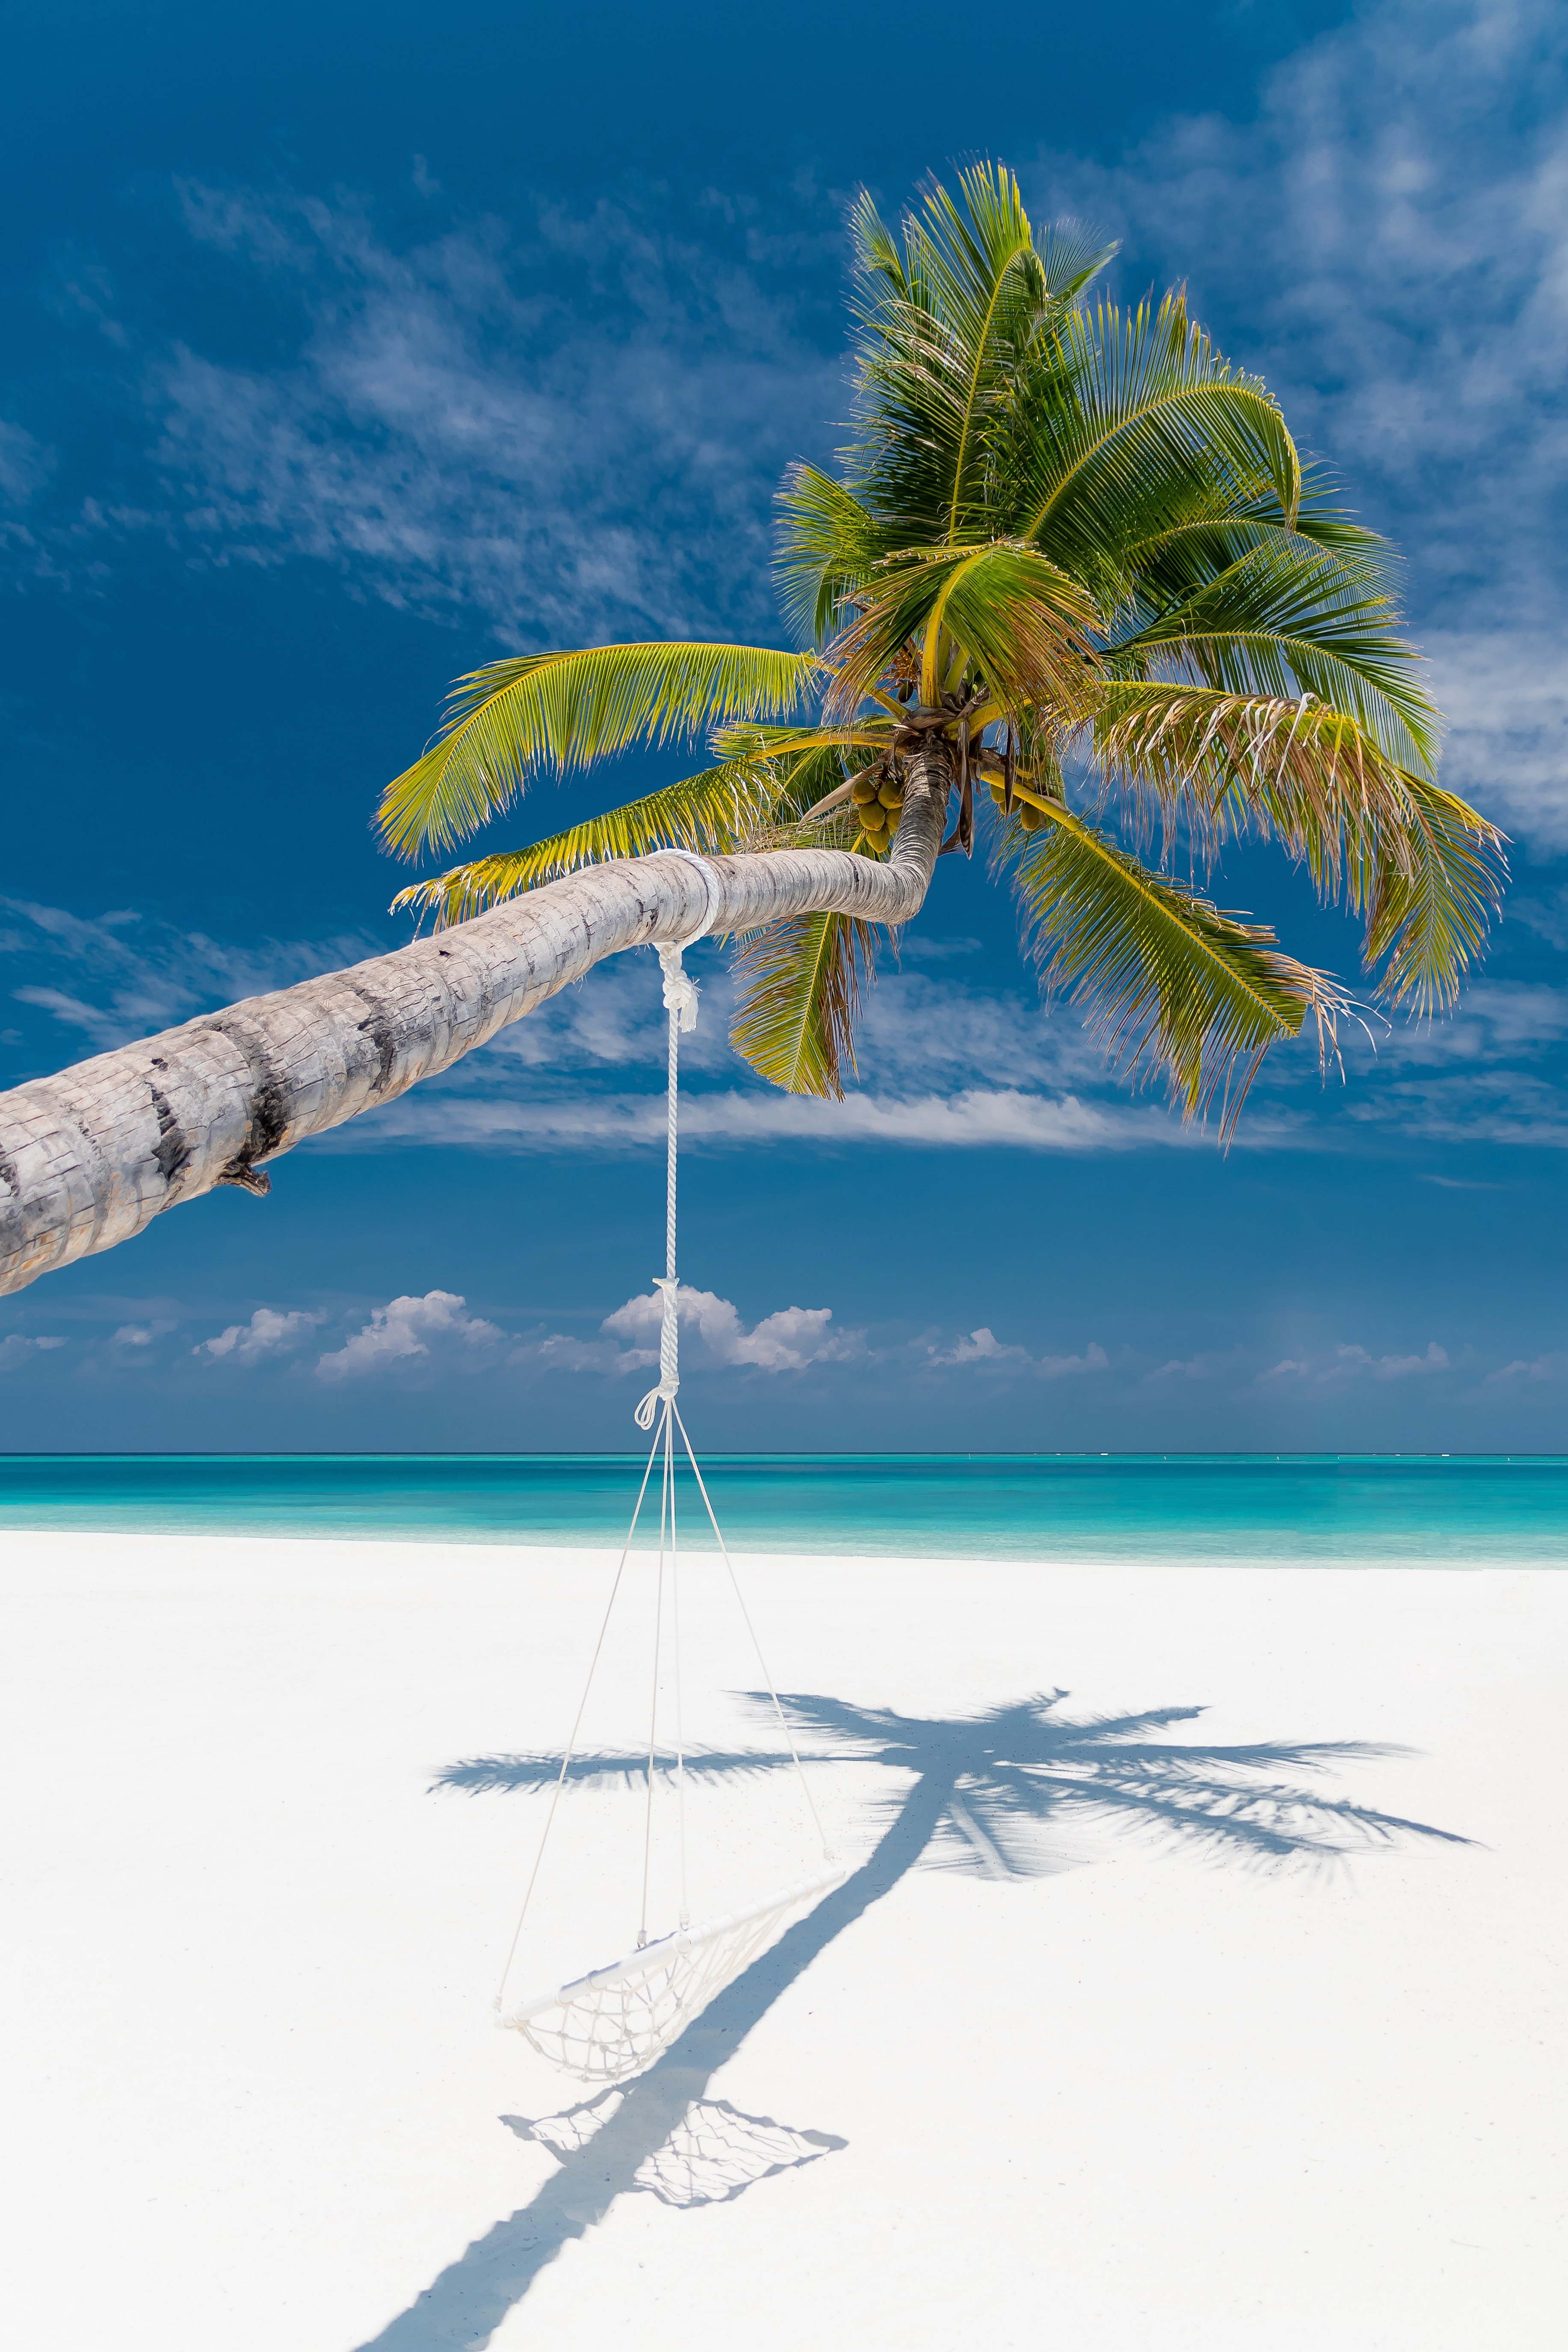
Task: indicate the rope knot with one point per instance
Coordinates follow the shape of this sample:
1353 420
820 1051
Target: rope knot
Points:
680 1006
679 989
668 1353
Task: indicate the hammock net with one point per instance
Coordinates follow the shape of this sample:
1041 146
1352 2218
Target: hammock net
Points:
610 2023
615 2021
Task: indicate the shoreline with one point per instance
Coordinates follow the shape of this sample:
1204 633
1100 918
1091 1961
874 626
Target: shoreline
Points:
1399 1563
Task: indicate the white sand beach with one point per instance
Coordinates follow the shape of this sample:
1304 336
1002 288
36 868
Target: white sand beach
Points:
1054 2075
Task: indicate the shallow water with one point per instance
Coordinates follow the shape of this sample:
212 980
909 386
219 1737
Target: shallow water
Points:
1314 1508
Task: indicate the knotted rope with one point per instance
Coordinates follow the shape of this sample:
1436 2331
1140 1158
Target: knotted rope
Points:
680 1007
586 2039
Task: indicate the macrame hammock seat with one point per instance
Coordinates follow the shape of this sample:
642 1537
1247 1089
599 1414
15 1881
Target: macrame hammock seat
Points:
613 2020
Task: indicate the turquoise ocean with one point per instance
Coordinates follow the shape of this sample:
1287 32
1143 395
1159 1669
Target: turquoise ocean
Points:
1264 1508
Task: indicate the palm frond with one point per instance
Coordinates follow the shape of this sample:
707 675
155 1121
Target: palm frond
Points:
829 545
718 809
1019 618
944 323
1429 912
992 289
760 745
1199 529
1284 617
563 710
1293 769
1171 980
801 983
1151 403
1425 869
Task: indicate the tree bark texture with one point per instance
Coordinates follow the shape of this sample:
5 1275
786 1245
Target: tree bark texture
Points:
88 1157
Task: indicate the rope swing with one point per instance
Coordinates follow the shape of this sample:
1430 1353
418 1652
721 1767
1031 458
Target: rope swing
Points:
615 2021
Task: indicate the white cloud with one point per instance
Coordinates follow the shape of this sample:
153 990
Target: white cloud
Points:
980 1347
403 1329
1497 1021
1208 1366
1387 240
19 1346
1503 692
1350 1362
148 975
983 1347
268 1333
975 1118
1534 1367
452 436
25 465
132 1335
1397 1367
560 1351
785 1341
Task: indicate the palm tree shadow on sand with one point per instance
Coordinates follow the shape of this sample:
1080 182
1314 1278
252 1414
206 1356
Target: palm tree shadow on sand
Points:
982 1794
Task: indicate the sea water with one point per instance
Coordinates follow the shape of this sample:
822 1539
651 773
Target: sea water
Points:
1399 1509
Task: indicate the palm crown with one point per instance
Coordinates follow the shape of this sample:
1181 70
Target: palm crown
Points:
1073 554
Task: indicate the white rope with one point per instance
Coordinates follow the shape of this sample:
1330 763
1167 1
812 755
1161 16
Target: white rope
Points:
653 1701
684 1914
713 885
756 1643
576 1727
594 2029
680 1007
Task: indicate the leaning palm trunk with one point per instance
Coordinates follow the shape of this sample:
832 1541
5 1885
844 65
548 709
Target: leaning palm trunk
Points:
88 1158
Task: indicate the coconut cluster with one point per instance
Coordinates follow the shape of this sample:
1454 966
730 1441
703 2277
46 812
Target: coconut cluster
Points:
1028 816
877 801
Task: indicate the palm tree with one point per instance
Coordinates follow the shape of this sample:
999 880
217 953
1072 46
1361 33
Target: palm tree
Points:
1072 555
983 1791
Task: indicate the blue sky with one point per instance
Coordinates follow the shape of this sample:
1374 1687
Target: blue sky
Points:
352 347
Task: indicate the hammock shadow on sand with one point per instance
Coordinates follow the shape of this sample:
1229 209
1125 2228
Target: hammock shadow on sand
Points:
983 1793
715 2152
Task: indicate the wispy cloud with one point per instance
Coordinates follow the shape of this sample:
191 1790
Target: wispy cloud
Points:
983 1348
1388 240
25 465
972 1118
268 1333
456 436
1208 1365
143 974
19 1347
1349 1362
1551 1366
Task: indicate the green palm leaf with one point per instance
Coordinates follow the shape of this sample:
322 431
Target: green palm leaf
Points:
800 984
1009 610
1424 868
1429 913
1153 403
563 710
1285 617
1292 768
717 811
944 323
1170 980
828 546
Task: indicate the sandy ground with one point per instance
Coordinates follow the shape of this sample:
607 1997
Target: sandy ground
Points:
1106 2046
